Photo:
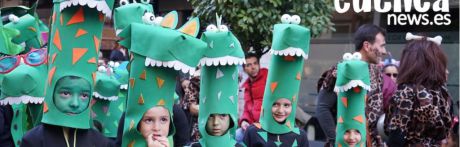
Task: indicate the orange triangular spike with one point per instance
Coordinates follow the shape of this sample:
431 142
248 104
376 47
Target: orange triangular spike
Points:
161 102
257 125
359 118
45 107
53 18
92 60
32 29
294 98
356 89
131 82
78 17
273 86
340 119
288 124
143 75
51 74
80 32
160 82
190 29
94 78
345 101
57 40
101 17
77 53
298 76
140 100
96 44
53 58
131 124
61 20
168 21
131 144
339 145
289 58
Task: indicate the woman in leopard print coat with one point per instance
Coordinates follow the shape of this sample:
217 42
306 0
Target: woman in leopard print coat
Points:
420 110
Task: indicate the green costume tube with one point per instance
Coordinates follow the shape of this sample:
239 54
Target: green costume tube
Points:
158 52
352 85
219 82
75 40
290 46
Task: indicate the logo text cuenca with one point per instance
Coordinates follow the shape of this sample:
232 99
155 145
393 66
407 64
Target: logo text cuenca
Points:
398 17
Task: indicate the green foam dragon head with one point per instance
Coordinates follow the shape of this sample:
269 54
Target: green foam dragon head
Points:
352 85
129 13
290 38
107 86
27 22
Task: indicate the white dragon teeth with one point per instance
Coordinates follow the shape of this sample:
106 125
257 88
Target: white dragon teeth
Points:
101 6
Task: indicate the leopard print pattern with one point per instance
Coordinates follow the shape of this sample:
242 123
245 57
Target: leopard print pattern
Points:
191 93
424 116
374 100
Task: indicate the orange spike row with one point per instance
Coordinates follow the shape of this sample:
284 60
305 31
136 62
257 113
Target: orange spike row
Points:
190 29
143 75
131 82
92 60
161 102
140 100
345 101
168 21
45 107
80 32
160 82
273 86
57 40
97 43
32 29
61 20
340 120
51 74
77 53
359 118
298 76
53 58
78 17
131 144
94 78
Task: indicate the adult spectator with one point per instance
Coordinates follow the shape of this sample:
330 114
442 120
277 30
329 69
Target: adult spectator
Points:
254 87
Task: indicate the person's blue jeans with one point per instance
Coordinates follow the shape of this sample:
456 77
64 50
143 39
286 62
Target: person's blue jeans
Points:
239 135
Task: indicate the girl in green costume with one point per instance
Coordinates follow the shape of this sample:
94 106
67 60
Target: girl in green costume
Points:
353 82
290 46
75 37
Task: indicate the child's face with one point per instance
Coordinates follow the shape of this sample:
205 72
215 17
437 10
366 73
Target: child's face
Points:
71 95
281 109
218 124
156 120
352 137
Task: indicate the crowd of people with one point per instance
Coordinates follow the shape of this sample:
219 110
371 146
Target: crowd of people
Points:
152 95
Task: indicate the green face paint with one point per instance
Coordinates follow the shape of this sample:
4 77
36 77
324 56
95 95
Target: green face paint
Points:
71 95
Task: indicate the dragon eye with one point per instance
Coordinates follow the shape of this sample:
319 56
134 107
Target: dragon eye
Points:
223 28
285 18
295 19
211 28
124 2
347 56
357 56
148 18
